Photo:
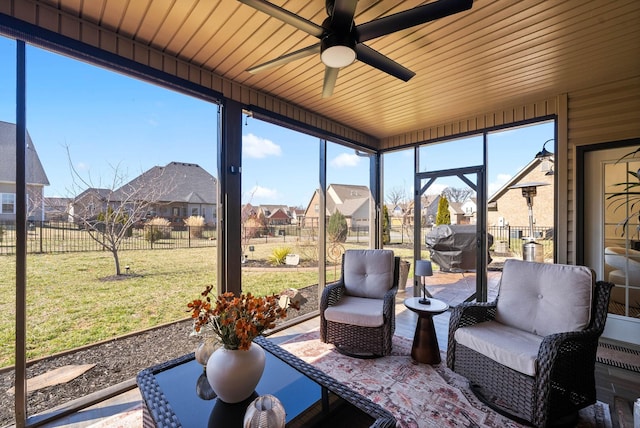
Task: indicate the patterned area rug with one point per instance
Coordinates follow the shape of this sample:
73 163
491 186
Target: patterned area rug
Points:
419 396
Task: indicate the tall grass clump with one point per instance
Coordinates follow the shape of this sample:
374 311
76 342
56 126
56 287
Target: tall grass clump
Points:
157 228
195 223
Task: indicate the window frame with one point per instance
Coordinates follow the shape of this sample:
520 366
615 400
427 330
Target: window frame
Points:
3 203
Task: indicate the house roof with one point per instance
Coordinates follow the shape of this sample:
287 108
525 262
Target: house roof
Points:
56 203
175 182
456 207
347 198
514 180
102 194
270 210
34 173
345 192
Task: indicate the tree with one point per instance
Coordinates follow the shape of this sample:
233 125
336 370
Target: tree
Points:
443 216
386 226
455 194
337 228
120 207
396 196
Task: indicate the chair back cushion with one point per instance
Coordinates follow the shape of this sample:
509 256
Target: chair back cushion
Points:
368 273
544 298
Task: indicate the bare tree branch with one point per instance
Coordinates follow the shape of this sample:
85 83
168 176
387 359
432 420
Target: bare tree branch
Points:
109 214
454 194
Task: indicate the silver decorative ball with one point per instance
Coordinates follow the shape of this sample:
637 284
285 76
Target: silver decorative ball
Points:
265 411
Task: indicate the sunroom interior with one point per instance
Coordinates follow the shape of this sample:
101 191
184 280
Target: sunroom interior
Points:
495 67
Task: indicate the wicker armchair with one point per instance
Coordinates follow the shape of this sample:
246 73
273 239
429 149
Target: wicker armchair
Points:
531 353
357 313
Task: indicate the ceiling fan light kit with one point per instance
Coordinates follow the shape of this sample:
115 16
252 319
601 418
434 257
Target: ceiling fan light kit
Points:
337 53
341 40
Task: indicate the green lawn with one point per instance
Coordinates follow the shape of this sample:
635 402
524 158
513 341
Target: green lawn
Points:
71 304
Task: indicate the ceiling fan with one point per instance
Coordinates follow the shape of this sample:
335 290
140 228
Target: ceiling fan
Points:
341 41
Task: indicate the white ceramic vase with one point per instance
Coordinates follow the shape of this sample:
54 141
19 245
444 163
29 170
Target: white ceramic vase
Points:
234 374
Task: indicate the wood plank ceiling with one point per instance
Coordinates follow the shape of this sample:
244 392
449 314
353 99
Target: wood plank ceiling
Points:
498 54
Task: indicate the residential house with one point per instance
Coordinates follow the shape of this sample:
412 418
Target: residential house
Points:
297 215
89 203
57 209
470 208
429 209
351 200
179 190
275 215
456 214
36 178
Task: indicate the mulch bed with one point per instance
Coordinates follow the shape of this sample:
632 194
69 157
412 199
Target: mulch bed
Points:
116 361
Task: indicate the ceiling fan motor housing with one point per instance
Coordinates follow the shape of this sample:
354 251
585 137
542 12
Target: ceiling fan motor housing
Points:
337 49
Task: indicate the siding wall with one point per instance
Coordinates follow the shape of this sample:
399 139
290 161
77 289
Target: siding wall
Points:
477 123
602 114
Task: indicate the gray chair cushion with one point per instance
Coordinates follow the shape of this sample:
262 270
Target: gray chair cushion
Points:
543 298
509 346
356 311
368 273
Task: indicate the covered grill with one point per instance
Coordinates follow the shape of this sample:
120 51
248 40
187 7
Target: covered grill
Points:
453 246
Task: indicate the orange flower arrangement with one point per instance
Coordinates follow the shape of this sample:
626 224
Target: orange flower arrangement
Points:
236 321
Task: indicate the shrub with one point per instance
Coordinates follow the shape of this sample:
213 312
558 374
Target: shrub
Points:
157 228
279 255
443 216
196 226
337 228
386 226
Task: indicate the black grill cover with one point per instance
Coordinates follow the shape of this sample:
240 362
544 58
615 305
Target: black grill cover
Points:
453 246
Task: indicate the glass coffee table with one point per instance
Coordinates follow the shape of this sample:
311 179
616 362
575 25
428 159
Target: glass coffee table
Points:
310 397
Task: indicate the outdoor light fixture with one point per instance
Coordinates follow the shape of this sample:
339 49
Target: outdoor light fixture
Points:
337 52
424 268
544 153
532 251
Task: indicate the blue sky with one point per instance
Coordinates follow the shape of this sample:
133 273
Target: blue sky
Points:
110 123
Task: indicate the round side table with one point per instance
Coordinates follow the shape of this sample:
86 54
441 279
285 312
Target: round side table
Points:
425 342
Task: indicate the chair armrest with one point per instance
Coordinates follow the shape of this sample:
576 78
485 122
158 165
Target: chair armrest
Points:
471 313
389 302
463 315
331 294
567 358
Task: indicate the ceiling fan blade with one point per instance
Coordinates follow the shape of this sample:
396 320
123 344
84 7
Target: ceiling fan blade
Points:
376 59
330 77
343 12
285 16
285 59
410 18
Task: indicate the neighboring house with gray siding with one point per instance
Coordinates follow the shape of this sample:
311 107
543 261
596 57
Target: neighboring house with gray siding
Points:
36 178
